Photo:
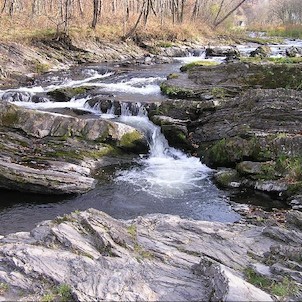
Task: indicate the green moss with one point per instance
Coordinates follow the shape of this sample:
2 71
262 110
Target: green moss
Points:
218 92
273 76
66 94
9 118
131 140
282 60
218 154
224 178
189 66
229 151
173 76
48 297
142 253
64 292
4 287
174 91
284 288
41 68
132 230
61 293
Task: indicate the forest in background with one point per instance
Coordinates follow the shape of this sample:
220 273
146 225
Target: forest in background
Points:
158 19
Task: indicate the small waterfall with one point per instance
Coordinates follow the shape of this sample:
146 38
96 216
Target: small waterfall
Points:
166 172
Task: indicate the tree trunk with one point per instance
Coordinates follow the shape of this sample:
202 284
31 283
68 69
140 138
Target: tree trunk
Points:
229 13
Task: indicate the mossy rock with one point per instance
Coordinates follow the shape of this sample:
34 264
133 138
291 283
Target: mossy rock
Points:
176 136
228 152
176 91
66 94
228 178
261 51
258 170
133 142
191 65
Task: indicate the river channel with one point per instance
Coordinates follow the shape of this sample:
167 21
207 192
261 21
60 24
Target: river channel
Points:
165 181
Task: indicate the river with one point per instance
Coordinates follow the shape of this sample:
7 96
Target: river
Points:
164 181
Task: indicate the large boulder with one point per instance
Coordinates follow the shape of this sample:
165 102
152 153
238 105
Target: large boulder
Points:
47 152
156 257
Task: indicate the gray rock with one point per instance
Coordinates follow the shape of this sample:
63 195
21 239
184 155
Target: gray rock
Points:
52 153
261 51
156 257
293 52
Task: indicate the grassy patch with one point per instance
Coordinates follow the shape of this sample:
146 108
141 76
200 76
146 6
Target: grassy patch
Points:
41 68
4 287
61 293
132 230
173 76
189 66
283 288
291 166
219 92
287 31
142 252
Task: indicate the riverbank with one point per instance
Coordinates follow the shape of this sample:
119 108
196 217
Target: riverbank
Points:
22 62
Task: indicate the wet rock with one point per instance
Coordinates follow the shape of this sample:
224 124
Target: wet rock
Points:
66 94
16 96
271 186
258 170
227 178
51 153
259 127
222 52
296 203
293 52
261 52
294 219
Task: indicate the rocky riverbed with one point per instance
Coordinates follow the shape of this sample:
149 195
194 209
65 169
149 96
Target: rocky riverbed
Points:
244 116
241 118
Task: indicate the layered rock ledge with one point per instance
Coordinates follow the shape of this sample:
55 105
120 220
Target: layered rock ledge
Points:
151 258
52 153
243 116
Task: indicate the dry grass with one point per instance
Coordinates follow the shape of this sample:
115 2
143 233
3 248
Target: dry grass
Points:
24 29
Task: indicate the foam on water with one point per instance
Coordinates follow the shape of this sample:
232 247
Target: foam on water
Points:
166 172
144 86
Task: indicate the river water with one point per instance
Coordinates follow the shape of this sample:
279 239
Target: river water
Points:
164 181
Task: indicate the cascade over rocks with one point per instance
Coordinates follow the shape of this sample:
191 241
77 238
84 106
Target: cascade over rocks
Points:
52 153
155 257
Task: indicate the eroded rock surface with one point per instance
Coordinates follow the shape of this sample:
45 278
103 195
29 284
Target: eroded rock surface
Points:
156 257
234 113
54 153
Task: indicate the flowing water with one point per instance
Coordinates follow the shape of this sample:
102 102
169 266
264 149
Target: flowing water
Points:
164 181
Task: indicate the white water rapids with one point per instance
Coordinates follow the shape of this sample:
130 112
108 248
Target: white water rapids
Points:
166 172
